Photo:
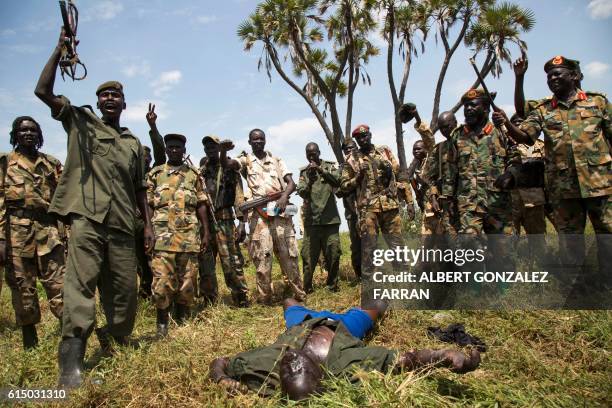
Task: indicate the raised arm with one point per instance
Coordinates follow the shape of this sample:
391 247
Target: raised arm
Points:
225 146
159 148
520 67
46 81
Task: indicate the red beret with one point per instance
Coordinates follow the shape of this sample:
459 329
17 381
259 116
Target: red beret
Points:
360 129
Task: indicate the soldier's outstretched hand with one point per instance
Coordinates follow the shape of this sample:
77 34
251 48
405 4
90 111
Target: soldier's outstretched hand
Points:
227 145
151 115
520 66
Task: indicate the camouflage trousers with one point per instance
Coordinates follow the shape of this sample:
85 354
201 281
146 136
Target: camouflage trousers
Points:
174 278
34 252
327 239
224 245
274 235
570 218
21 277
371 224
495 219
439 224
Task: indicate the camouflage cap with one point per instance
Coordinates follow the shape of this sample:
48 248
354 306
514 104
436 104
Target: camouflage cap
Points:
360 129
211 138
175 136
110 85
561 62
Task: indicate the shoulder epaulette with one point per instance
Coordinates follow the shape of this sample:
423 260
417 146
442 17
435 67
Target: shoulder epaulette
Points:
593 93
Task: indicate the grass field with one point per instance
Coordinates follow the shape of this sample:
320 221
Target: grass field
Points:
544 358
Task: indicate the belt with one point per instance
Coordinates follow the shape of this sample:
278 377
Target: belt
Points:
36 215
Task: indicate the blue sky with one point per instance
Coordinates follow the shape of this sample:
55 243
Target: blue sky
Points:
185 57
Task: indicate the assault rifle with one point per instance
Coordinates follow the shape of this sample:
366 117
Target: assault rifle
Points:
259 202
69 59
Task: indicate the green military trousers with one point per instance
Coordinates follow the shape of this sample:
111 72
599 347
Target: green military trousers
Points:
317 238
104 258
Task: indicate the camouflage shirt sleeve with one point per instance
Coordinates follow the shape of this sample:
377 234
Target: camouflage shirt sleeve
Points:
348 179
151 186
200 192
607 122
532 125
427 136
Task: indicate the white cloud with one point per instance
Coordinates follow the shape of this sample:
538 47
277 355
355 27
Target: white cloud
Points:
166 81
596 69
7 32
205 19
136 112
103 10
25 48
141 68
600 9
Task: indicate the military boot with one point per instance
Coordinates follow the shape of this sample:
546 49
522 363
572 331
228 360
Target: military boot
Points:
181 312
70 358
240 299
30 338
162 322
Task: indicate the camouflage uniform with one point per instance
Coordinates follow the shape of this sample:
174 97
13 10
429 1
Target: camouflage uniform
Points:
577 136
528 203
174 193
34 247
377 205
481 159
321 222
439 173
270 234
223 186
432 223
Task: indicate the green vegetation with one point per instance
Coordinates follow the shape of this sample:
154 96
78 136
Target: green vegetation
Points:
545 358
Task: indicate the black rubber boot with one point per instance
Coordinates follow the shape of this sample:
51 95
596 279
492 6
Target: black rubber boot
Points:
181 312
105 339
30 338
70 358
240 299
162 322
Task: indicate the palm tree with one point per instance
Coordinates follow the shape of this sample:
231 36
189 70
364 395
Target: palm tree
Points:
292 30
406 21
498 26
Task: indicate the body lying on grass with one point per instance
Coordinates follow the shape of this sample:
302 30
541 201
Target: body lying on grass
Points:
318 343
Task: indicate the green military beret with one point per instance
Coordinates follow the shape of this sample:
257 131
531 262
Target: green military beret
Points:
211 138
562 62
175 136
407 111
110 85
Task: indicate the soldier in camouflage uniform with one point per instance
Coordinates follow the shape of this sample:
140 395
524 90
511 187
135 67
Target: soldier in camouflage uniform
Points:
372 173
350 212
30 243
266 174
577 136
481 158
316 186
420 151
222 185
176 195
